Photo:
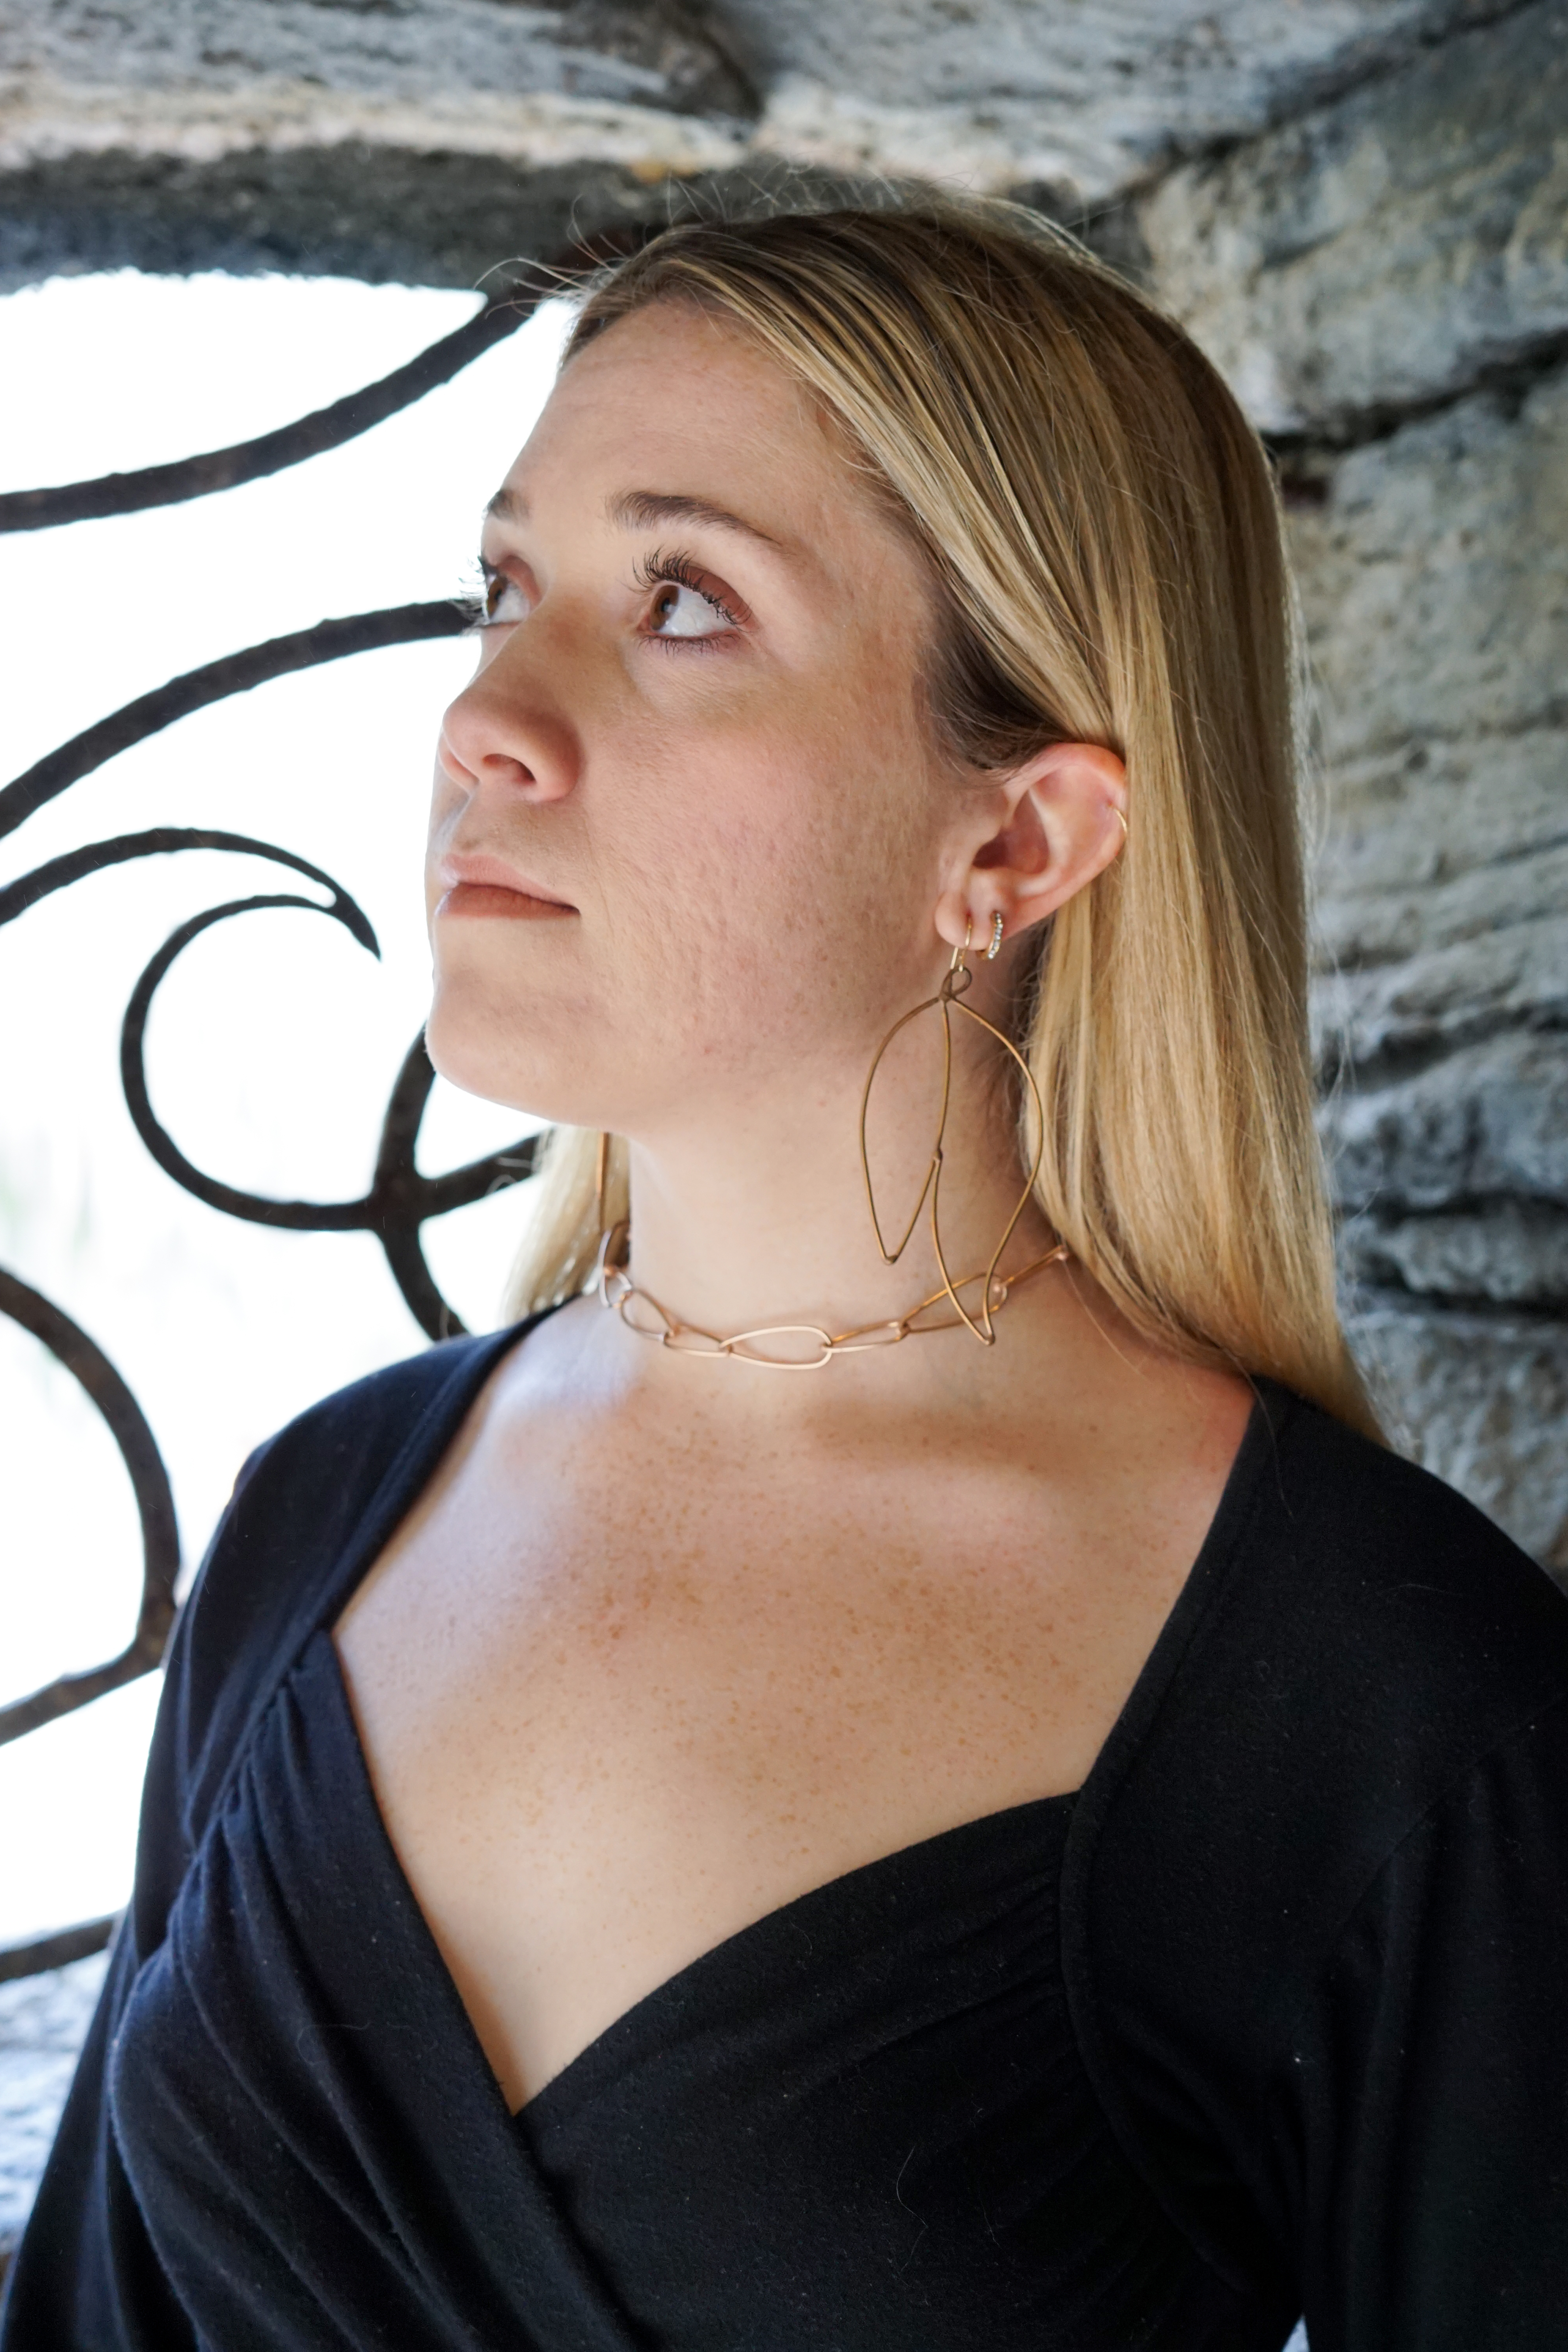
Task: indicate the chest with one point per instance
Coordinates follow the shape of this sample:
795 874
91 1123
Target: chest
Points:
733 1637
612 1720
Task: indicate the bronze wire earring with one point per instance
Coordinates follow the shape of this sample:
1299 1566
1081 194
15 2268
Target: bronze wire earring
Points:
616 1289
949 999
612 1239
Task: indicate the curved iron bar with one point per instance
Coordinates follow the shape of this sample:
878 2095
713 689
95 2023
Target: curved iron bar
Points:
164 840
322 428
356 633
91 1370
289 444
56 1951
301 1216
400 1197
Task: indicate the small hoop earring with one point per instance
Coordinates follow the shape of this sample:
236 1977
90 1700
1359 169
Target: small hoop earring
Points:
1120 819
997 928
948 1000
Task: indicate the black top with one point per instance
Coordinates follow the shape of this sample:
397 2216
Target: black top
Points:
1271 2015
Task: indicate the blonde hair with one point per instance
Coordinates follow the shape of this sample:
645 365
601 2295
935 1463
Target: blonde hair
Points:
1102 526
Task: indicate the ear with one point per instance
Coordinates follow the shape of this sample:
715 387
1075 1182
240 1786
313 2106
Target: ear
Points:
1062 819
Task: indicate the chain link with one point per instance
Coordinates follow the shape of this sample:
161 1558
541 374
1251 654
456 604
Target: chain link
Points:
616 1289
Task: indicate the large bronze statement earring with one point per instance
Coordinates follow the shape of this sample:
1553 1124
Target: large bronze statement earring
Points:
993 1287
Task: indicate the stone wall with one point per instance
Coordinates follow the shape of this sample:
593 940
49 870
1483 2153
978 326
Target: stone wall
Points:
1360 207
1385 277
432 138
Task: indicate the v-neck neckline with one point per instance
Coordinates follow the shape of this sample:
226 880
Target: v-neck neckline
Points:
629 2028
416 1464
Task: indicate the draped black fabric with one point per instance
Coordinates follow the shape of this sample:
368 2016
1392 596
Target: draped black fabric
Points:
1270 2015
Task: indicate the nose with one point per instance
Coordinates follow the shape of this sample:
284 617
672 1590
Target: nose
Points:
505 729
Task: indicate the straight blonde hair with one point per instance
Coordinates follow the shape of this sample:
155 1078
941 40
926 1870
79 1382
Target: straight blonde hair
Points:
1102 528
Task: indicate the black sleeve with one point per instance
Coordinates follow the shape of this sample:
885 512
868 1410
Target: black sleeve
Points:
1420 2122
1315 1906
85 2278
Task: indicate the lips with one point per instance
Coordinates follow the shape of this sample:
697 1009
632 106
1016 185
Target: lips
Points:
487 887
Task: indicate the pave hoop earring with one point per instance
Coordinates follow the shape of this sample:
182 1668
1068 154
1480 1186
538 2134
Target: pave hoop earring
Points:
948 1000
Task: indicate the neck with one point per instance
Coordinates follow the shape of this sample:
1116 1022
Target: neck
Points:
759 1217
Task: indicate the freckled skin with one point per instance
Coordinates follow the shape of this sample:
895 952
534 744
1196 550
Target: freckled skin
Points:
667 1645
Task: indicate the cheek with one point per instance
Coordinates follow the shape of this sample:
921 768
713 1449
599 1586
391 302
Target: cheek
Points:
757 893
776 893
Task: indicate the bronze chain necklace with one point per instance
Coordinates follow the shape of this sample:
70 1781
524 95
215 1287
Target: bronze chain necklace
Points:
642 1312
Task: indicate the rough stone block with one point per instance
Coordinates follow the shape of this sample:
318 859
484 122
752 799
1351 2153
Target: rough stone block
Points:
1512 1253
1438 842
1483 1401
1384 250
1435 578
1084 99
379 214
1434 589
600 84
654 54
1087 99
1490 1121
1449 994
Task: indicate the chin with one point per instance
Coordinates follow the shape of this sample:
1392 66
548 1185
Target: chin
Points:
493 1056
473 1056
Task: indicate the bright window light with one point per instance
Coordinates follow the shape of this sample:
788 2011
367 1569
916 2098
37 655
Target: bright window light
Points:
274 1042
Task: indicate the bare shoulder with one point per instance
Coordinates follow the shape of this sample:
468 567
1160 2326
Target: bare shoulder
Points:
1134 1431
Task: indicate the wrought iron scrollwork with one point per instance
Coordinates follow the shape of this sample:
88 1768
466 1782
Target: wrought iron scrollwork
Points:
401 1199
358 633
127 1423
271 453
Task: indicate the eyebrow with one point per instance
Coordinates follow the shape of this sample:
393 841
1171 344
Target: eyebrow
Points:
639 510
636 509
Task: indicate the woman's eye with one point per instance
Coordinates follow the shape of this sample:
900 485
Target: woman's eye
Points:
682 611
503 600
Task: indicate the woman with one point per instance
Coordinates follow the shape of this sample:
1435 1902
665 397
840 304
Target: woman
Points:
1044 1835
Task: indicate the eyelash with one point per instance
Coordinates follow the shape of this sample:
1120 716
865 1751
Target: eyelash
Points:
663 568
668 568
471 597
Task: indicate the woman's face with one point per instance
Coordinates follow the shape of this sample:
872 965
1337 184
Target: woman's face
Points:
689 826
